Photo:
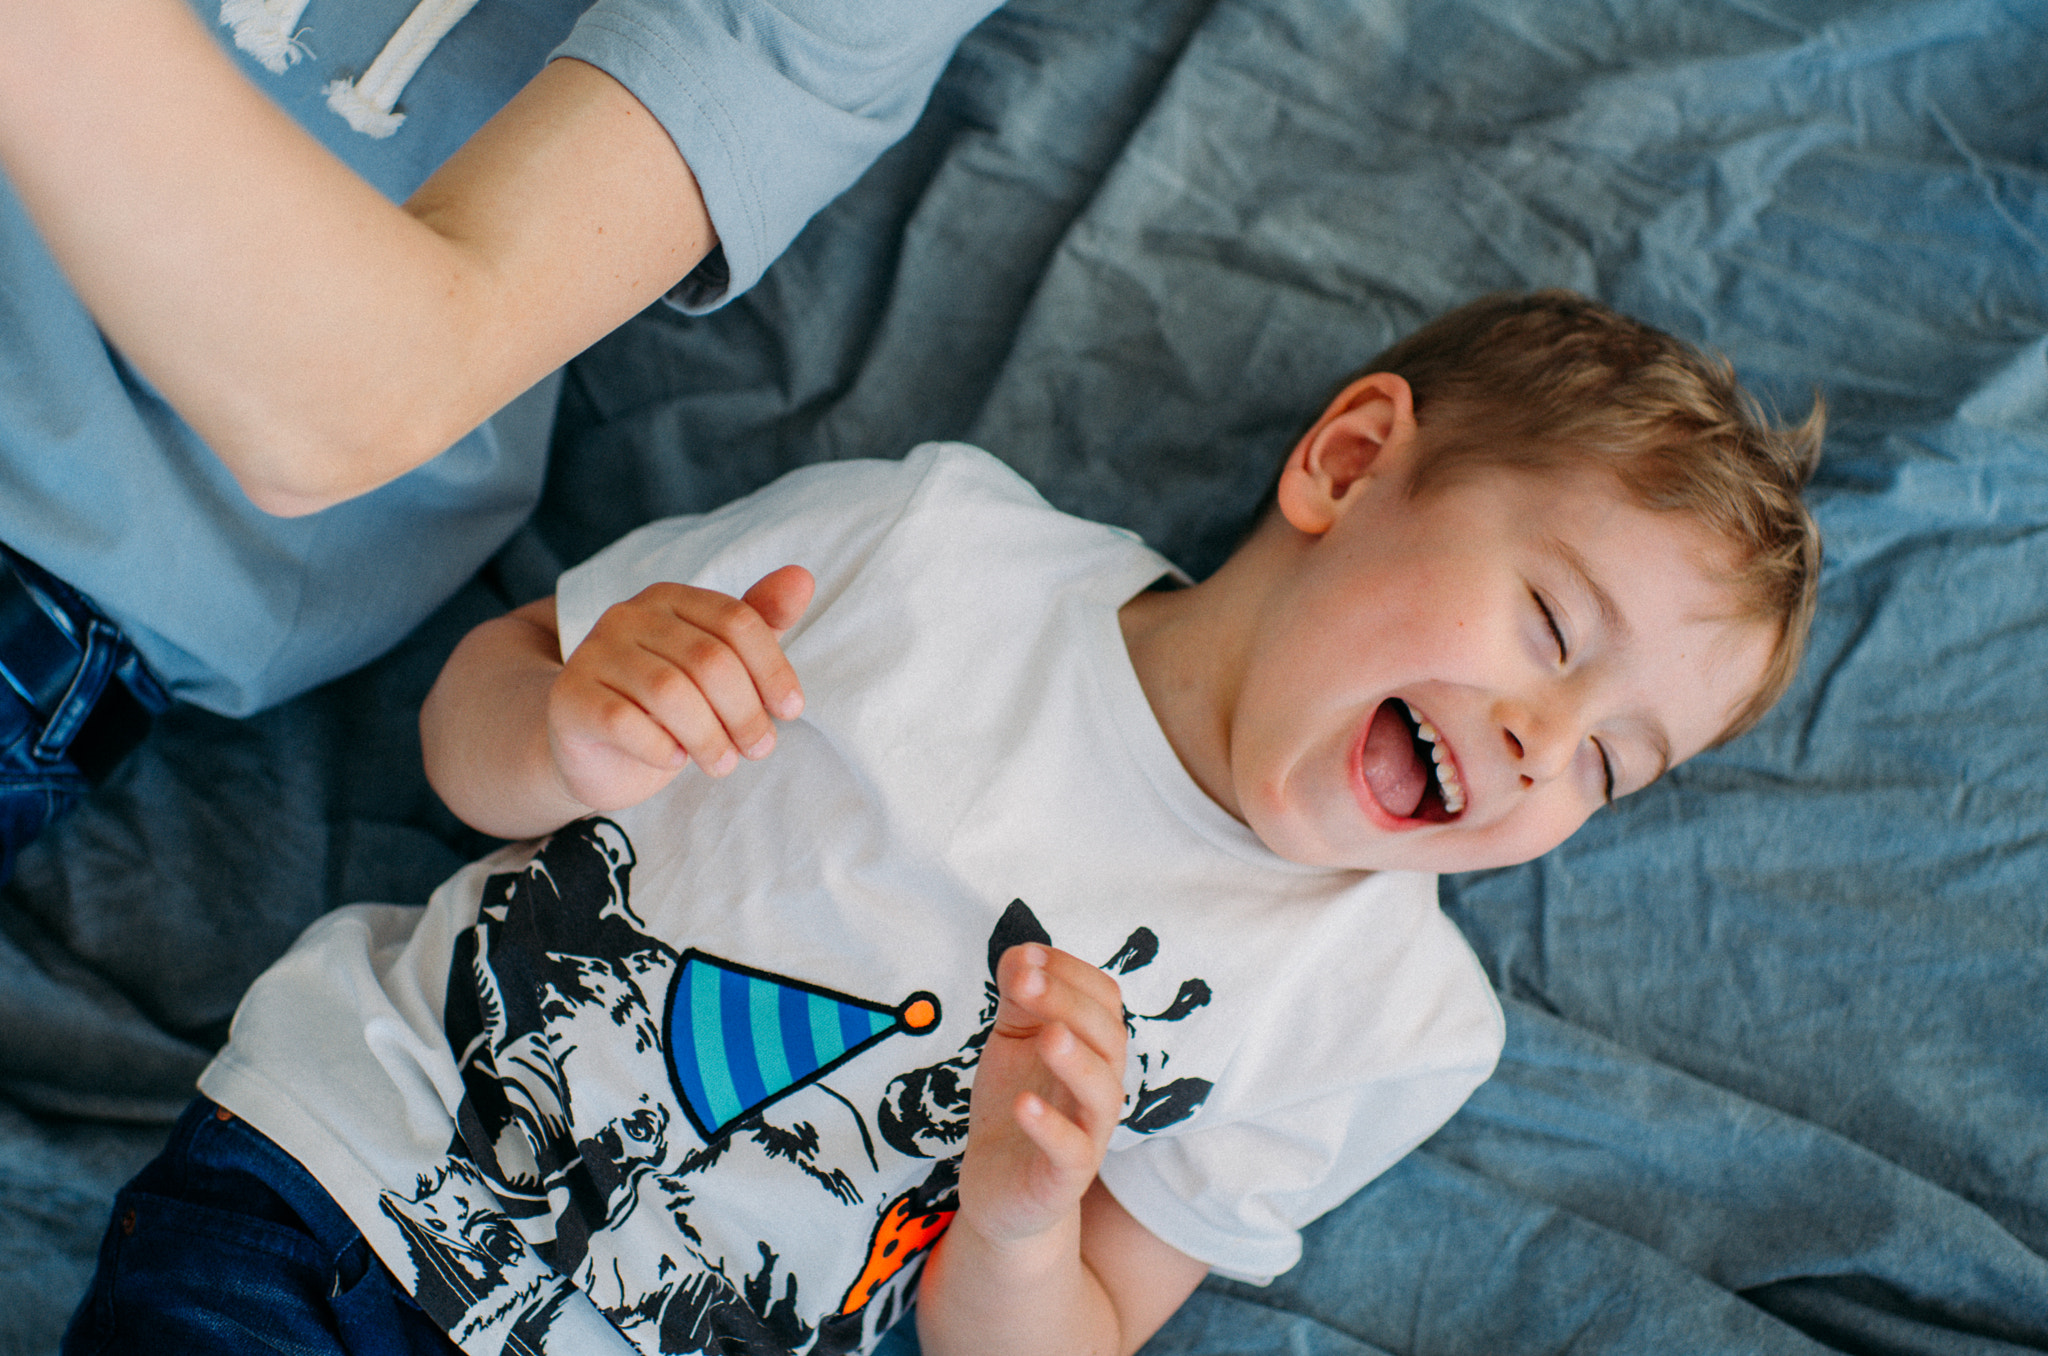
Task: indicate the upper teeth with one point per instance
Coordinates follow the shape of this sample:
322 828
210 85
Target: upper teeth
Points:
1446 772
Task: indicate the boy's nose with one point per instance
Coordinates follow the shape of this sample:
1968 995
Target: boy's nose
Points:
1540 746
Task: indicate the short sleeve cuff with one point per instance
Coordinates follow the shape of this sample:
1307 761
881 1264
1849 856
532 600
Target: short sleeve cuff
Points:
1162 1207
776 108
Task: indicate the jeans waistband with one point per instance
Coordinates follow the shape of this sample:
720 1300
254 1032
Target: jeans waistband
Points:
89 690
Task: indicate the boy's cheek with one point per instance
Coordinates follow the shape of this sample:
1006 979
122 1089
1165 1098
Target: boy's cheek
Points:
1520 839
1559 833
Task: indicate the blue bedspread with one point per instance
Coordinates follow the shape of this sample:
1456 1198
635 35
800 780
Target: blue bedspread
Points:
1777 1070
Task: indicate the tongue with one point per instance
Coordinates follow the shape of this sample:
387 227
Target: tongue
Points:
1392 770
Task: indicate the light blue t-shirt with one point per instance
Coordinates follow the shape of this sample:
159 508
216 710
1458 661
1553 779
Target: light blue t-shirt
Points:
776 107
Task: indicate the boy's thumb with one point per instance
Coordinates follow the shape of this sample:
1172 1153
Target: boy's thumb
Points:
781 596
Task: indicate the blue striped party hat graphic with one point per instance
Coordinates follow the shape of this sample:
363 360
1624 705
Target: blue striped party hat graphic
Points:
739 1038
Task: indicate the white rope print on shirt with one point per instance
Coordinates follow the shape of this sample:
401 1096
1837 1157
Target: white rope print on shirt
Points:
268 31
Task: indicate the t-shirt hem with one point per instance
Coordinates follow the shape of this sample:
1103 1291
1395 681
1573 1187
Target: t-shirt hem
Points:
287 1123
1255 1261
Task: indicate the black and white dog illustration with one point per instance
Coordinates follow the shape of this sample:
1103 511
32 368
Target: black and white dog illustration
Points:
576 1164
570 1120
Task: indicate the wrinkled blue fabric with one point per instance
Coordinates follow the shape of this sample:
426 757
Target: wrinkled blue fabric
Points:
1776 1078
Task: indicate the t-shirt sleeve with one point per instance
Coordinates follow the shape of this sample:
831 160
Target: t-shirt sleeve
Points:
1237 1195
1324 1097
776 105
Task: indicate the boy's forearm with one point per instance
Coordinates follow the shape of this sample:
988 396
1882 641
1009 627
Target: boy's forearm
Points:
977 1299
484 731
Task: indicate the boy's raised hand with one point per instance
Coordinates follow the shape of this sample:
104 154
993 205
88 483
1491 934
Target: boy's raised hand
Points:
1041 1259
673 675
518 743
1047 1093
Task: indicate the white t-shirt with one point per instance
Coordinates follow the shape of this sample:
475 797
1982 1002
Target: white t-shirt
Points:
701 1067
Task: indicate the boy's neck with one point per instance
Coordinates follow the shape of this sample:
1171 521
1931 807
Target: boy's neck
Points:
1188 646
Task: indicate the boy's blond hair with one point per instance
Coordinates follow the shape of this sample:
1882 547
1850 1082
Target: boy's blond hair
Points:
1551 381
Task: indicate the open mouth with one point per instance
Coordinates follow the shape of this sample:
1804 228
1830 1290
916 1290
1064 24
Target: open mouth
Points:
1407 768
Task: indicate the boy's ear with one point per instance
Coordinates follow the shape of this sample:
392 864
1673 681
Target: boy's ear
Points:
1367 432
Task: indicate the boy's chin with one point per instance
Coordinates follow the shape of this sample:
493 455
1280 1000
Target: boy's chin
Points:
1491 854
1438 849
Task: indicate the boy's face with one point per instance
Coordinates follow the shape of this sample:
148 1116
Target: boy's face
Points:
1558 644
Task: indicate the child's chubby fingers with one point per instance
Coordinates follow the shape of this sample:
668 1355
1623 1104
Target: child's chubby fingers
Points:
1043 986
705 667
591 716
781 596
1070 1014
1088 1086
621 695
1072 1147
1047 1095
725 657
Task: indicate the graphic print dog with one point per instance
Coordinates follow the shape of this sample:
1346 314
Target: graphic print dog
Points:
570 1118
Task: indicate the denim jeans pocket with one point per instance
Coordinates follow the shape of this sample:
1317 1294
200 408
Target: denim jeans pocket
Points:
225 1244
178 1277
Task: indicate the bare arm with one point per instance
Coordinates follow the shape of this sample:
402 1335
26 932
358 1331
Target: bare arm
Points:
518 743
321 339
1041 1260
1126 1286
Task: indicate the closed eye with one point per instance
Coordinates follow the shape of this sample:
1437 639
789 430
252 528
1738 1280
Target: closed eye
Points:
1564 657
1556 633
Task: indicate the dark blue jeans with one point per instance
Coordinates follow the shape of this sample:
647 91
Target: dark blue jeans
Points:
224 1245
74 699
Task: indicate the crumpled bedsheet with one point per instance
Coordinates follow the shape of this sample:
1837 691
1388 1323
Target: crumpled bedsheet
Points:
1777 1070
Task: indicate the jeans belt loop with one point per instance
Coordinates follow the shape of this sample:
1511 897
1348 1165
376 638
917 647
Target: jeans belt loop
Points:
80 676
102 649
38 658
